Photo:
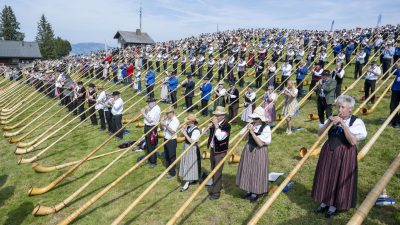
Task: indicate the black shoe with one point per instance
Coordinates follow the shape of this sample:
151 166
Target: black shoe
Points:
213 197
321 209
329 214
246 196
254 198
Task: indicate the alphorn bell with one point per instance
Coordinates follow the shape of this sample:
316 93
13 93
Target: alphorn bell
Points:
234 159
205 155
303 151
313 116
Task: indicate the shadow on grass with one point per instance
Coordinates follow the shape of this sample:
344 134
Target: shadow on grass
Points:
187 216
151 206
115 199
18 215
5 194
3 180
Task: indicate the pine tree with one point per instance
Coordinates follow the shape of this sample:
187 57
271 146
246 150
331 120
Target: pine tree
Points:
9 26
45 38
62 47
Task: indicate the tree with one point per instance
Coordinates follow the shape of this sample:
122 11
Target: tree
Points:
9 26
62 47
45 38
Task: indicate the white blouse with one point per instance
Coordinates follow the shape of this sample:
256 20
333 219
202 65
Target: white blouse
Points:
358 128
265 136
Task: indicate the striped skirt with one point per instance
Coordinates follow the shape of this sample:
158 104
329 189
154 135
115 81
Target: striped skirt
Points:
190 165
252 174
335 179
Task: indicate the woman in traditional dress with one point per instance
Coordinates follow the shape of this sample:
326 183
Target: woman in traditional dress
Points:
252 172
164 87
269 105
291 107
190 166
249 99
335 179
220 93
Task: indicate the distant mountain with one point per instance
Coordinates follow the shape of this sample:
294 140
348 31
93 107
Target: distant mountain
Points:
86 48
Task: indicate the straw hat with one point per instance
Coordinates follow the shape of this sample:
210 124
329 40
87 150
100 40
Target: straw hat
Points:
192 118
169 109
219 111
258 113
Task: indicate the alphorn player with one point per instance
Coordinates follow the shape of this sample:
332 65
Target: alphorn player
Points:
91 98
218 143
335 179
116 111
190 166
253 167
325 90
395 98
151 114
170 127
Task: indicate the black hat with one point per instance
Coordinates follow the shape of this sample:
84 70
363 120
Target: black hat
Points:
151 100
206 78
80 82
115 93
326 73
92 85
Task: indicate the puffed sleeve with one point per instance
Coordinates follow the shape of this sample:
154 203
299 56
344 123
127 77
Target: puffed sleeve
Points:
358 129
265 136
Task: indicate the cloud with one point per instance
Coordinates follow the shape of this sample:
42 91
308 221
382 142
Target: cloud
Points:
98 20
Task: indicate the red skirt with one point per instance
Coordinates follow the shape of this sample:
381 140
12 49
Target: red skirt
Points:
335 179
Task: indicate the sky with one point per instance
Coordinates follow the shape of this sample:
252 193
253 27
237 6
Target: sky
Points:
98 20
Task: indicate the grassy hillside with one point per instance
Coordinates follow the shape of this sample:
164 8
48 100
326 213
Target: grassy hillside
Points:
294 207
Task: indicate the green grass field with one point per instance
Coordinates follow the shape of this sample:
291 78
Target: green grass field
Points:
294 207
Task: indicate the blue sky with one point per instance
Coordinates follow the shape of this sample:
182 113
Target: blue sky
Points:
98 20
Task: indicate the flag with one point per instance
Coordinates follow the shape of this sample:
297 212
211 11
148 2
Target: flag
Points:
105 46
333 22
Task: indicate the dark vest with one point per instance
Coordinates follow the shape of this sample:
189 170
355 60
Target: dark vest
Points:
250 140
337 78
220 146
93 94
190 134
336 136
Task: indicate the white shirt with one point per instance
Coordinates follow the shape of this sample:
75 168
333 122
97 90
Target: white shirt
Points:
371 76
117 107
286 70
221 92
265 135
172 124
195 134
340 74
153 116
100 100
219 134
318 73
358 128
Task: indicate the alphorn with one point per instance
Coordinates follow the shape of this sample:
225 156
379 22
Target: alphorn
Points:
373 195
116 181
